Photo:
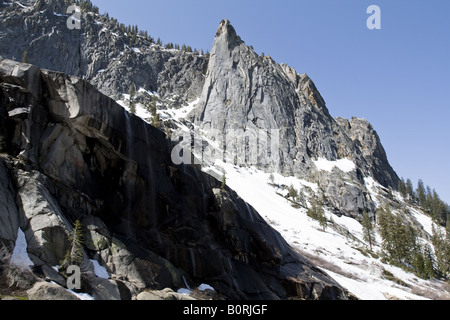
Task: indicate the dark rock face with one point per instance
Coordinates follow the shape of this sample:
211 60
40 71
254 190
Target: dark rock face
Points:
70 153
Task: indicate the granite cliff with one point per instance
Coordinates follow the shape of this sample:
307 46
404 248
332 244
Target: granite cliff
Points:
69 152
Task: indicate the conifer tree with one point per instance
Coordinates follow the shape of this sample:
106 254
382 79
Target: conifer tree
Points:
131 91
317 212
25 57
322 218
132 107
402 187
429 269
421 194
293 193
441 245
74 255
410 190
156 121
368 230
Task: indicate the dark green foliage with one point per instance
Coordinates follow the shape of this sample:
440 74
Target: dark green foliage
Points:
399 238
87 6
25 57
132 107
293 193
441 243
74 255
368 229
410 191
317 212
424 263
421 194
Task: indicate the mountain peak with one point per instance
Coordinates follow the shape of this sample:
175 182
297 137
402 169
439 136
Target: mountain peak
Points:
227 33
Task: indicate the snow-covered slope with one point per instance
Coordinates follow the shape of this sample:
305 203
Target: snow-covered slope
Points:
339 250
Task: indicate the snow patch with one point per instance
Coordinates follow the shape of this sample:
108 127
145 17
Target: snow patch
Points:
100 271
205 286
184 291
81 296
339 250
20 256
344 165
137 50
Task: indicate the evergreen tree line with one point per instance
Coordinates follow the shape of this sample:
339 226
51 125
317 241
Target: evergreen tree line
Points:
401 246
87 6
428 200
133 32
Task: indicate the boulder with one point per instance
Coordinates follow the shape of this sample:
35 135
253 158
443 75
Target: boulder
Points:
49 291
166 294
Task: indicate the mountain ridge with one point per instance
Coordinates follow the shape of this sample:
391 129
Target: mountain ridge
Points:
144 223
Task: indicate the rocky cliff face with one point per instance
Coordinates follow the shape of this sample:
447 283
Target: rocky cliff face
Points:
70 153
250 93
98 52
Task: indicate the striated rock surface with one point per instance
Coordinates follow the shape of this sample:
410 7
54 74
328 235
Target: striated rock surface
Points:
71 153
250 94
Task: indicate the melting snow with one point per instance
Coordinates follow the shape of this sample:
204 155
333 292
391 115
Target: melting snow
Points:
340 250
344 165
20 256
99 270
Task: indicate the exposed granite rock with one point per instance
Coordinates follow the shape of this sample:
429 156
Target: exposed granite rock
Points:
77 155
99 52
368 142
166 294
49 291
250 93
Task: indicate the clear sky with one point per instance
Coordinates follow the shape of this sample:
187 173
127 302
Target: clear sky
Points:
397 77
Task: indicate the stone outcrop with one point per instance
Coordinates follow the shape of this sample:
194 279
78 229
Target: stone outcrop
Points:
247 92
71 153
49 291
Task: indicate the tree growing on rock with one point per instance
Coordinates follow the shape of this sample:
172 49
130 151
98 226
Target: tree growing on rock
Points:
74 255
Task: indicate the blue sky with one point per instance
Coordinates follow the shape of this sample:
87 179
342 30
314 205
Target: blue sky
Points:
398 77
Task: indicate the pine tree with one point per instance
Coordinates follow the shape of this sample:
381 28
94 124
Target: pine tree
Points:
317 212
441 245
131 92
410 191
25 57
402 187
322 218
132 107
421 194
293 193
74 255
156 121
368 230
429 269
